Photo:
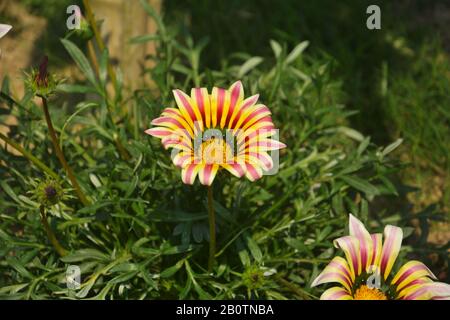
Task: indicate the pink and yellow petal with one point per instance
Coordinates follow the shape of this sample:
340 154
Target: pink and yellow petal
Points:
336 271
263 159
427 291
246 104
350 246
410 272
217 99
377 246
253 171
253 115
187 108
236 92
189 172
159 132
236 169
201 101
358 230
336 293
207 173
182 159
391 247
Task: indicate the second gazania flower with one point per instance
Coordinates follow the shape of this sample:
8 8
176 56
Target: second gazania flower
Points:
219 130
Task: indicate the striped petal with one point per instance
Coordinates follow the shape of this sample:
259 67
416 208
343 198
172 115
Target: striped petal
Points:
175 123
188 109
236 169
181 159
246 104
336 293
207 174
350 246
427 291
253 171
263 159
201 101
409 272
159 132
189 172
336 271
358 230
217 100
377 246
391 247
265 145
236 93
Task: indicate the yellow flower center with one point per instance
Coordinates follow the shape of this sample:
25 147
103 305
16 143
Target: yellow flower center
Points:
215 151
365 293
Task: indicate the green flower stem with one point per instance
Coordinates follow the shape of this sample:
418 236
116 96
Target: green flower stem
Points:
30 157
61 157
51 236
212 230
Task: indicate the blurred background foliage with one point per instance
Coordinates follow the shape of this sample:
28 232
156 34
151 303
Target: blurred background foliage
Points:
342 97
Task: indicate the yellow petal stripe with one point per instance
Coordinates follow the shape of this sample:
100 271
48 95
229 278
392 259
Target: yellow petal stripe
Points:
391 247
409 272
336 293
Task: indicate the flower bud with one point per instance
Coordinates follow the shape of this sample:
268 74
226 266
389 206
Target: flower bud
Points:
49 193
41 82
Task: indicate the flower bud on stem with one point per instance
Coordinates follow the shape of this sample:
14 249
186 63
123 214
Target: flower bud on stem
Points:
60 155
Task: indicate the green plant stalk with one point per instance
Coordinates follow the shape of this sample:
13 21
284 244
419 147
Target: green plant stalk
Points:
297 291
61 156
90 18
51 236
29 156
212 229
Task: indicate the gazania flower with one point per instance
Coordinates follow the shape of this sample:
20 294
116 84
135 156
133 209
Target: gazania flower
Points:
221 130
4 29
366 271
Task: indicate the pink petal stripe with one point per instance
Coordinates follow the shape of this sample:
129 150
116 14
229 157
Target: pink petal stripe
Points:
428 291
350 246
220 103
187 106
189 173
245 105
263 158
200 103
235 169
267 144
252 172
335 293
358 230
159 132
391 248
236 92
256 115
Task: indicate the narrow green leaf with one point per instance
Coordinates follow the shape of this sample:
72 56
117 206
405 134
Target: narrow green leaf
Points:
249 65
